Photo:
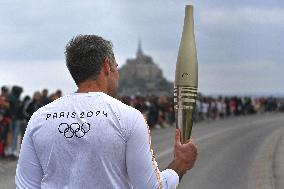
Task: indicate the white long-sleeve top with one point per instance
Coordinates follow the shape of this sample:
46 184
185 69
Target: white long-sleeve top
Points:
89 140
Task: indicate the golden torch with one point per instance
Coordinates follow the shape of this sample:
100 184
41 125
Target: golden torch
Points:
186 77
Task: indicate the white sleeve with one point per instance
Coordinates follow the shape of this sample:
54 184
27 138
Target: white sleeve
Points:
29 172
142 168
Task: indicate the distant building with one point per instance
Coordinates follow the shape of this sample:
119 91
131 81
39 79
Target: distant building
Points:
142 76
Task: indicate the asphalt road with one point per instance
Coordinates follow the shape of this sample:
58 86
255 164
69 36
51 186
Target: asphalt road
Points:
234 153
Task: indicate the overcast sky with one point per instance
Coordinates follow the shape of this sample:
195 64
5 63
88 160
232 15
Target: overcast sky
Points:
240 44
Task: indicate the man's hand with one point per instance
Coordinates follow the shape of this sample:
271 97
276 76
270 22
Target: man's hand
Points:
185 155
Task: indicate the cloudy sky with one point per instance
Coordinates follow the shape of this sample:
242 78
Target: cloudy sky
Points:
240 43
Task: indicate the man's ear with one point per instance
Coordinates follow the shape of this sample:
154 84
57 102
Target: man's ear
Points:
106 66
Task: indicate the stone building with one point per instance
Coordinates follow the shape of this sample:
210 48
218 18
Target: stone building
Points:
142 76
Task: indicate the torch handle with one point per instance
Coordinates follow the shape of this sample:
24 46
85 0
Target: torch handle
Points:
184 103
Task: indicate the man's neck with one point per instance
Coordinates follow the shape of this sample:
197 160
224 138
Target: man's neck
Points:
91 86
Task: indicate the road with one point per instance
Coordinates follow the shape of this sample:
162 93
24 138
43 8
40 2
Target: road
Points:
234 153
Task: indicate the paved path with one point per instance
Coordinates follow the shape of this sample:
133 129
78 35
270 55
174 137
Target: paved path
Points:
235 153
278 164
7 174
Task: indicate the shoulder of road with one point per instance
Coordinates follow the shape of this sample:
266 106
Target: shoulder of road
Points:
278 165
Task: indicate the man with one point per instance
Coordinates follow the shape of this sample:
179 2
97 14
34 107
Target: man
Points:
91 140
44 97
34 104
6 122
15 102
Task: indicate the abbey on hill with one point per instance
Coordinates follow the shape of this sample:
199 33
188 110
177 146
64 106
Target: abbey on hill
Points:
142 76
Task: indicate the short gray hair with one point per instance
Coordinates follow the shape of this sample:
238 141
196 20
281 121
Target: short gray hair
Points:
85 55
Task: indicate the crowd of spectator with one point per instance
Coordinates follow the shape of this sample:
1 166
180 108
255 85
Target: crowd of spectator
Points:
158 110
14 115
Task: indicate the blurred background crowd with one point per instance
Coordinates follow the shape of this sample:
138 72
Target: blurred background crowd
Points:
15 111
159 110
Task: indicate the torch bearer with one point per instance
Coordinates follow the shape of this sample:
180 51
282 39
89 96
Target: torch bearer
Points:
186 78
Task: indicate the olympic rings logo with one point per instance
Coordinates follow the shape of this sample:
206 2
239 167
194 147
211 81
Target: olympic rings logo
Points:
74 129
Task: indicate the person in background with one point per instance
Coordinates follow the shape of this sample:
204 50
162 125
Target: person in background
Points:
6 135
4 103
58 93
14 100
34 105
4 126
23 115
44 97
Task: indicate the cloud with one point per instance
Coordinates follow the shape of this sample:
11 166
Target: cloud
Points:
36 75
251 77
39 30
242 18
229 35
233 39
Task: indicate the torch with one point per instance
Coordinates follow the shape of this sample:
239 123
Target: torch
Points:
186 78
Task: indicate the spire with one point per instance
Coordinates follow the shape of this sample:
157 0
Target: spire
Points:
139 51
